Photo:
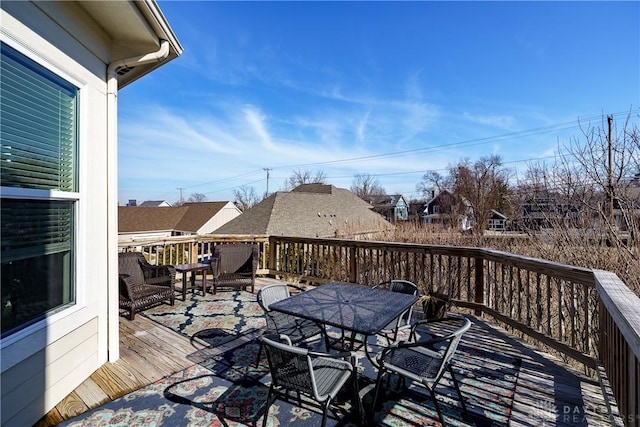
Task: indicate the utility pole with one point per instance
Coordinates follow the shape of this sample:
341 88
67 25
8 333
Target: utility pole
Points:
181 188
610 169
267 170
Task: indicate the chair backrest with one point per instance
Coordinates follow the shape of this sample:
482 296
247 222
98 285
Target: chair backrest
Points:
403 287
290 366
129 263
454 339
236 257
272 293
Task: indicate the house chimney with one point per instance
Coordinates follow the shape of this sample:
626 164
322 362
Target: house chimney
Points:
133 202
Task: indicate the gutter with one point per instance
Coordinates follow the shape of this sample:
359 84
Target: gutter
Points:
113 338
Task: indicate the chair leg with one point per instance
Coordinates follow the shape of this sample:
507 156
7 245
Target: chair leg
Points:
457 386
438 410
375 394
266 409
259 355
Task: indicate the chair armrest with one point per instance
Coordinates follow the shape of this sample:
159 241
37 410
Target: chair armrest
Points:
255 255
345 355
125 283
214 262
434 321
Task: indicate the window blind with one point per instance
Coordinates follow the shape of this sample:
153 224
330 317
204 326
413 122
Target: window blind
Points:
38 126
34 228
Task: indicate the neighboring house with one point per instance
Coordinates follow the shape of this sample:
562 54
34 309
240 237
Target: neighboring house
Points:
309 210
497 221
62 64
155 204
446 211
547 211
416 210
626 207
392 207
139 222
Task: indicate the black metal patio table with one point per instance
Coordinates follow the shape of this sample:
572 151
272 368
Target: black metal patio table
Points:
355 308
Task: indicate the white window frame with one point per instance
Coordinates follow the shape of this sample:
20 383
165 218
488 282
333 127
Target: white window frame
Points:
56 324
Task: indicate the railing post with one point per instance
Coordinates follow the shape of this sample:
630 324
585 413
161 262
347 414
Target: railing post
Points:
193 252
353 264
272 255
479 294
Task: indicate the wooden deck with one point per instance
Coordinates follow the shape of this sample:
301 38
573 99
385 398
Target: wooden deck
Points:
548 391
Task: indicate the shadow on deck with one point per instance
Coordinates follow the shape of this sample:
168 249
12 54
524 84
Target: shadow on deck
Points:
505 381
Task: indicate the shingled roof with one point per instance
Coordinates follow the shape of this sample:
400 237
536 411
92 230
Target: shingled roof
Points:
309 210
189 217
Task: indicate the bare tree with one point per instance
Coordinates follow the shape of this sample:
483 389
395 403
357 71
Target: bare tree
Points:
588 201
365 186
245 197
431 184
483 185
304 177
197 198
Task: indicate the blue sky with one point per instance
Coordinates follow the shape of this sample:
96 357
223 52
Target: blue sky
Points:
390 89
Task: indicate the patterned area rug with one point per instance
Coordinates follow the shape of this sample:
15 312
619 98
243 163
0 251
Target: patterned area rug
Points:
211 319
230 390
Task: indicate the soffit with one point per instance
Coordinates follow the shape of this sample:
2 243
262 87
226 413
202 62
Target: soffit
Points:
135 28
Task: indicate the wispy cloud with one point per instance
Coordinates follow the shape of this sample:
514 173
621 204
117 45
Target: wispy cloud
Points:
498 121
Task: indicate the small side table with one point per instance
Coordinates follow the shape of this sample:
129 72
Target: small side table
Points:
194 269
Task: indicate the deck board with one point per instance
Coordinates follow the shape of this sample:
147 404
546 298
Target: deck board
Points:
149 352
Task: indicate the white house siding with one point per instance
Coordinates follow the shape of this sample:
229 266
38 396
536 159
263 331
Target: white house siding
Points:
226 214
44 362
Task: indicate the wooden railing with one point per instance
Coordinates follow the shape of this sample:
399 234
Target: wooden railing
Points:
191 249
589 316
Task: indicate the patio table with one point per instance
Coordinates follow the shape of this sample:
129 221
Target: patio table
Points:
194 268
355 308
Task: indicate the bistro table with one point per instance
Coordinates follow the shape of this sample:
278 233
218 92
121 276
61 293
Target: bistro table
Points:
358 309
194 269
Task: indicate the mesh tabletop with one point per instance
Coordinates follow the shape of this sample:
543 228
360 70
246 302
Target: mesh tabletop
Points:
356 308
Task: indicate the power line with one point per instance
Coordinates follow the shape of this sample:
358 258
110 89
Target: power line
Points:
466 143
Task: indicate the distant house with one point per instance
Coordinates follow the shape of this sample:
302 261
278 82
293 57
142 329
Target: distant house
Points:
392 207
63 64
309 210
446 211
549 210
155 203
497 221
626 206
140 222
416 210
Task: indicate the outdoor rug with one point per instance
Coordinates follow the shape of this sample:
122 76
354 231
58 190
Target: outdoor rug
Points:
211 319
230 390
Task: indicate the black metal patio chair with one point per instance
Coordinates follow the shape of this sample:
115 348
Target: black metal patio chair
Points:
318 376
295 328
390 332
424 361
